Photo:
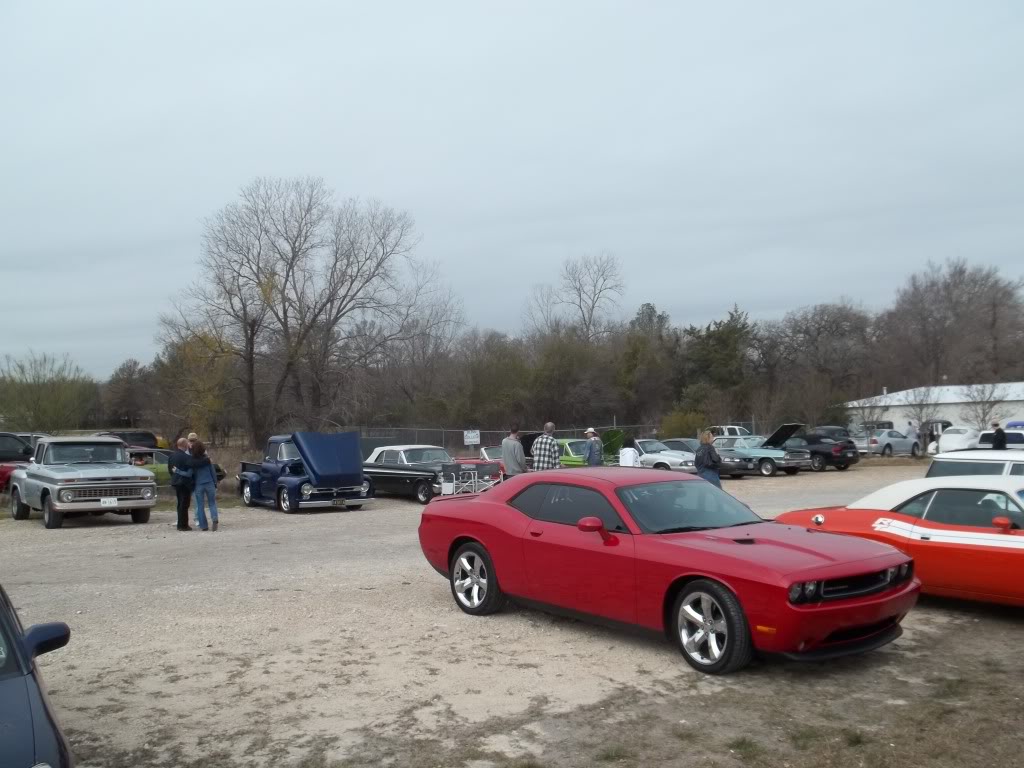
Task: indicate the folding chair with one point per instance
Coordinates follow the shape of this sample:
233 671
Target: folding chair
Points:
487 476
458 478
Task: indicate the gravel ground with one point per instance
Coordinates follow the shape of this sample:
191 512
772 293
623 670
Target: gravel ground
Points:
324 639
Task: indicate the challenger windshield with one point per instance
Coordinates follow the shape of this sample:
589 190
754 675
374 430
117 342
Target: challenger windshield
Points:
683 505
86 453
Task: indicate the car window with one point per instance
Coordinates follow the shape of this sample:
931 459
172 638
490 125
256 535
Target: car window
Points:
576 447
916 506
729 442
1017 470
287 452
568 504
652 446
975 508
529 500
388 457
428 455
955 431
11 448
941 468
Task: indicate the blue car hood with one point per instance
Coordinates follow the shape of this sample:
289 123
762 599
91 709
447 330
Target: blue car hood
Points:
17 736
331 460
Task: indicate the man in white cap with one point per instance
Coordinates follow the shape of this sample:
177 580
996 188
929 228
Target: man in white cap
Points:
594 454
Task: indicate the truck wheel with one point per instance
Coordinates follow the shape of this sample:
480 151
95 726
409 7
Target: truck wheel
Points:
140 516
284 502
424 493
19 511
767 467
246 494
52 518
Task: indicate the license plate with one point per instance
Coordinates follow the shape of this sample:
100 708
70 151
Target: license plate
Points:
849 453
108 502
338 502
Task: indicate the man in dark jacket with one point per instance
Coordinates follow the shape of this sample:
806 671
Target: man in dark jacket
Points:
998 437
180 467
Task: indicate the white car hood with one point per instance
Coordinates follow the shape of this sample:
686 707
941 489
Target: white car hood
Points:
96 472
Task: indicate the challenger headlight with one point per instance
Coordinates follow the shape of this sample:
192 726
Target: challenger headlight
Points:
904 571
67 496
307 489
890 574
147 493
809 589
366 488
796 592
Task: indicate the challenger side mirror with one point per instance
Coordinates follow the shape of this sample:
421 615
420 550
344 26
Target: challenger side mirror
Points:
1002 523
593 525
43 638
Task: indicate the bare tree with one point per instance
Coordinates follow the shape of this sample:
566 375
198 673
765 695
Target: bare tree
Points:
982 404
590 285
919 404
542 314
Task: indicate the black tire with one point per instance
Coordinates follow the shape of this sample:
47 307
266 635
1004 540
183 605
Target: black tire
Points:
52 518
284 502
736 477
842 467
791 471
477 557
663 466
914 451
739 648
423 492
19 511
140 516
818 463
246 493
354 506
767 468
887 451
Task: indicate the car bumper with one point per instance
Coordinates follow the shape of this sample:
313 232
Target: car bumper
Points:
335 503
829 630
93 505
793 463
740 468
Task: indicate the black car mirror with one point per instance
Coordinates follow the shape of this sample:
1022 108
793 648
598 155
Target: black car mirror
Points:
43 638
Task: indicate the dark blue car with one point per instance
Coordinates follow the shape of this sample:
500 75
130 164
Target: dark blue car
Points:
29 734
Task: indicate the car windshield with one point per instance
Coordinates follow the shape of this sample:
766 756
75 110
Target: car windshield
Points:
289 452
748 442
653 446
86 453
423 455
492 454
683 505
576 447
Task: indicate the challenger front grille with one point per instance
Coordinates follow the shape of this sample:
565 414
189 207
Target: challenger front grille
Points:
855 586
107 493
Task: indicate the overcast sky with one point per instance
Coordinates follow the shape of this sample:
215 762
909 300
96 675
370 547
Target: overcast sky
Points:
768 154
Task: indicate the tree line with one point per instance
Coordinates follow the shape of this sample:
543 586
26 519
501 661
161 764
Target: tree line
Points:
313 312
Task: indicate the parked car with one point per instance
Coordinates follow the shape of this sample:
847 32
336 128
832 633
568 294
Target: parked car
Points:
963 533
1014 439
663 551
958 439
835 433
407 470
140 437
307 470
729 430
889 442
961 463
30 734
572 449
31 437
769 454
657 455
687 444
14 453
826 452
733 464
75 476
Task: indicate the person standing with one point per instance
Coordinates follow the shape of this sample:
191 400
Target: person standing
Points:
629 456
998 437
512 455
205 479
179 465
545 450
707 461
912 434
594 454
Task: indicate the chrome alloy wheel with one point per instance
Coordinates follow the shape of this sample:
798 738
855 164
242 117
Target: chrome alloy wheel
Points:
246 494
469 579
703 628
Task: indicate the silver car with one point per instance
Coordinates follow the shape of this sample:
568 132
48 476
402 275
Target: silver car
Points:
888 442
655 454
71 476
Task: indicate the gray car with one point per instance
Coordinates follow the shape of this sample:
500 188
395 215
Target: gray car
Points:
71 476
889 442
657 455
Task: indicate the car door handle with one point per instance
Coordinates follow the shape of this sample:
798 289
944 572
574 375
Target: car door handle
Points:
535 534
926 538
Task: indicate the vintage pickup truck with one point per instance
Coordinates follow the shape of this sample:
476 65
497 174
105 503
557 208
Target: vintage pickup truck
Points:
307 470
72 476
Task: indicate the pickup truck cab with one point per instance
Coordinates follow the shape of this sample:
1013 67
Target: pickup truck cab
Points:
307 470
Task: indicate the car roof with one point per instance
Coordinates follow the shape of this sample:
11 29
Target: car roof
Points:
405 447
981 454
82 439
616 476
897 493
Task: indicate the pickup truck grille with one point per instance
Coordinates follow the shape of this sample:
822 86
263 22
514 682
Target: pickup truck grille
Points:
106 493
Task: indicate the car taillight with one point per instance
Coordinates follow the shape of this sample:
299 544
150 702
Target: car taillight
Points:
873 441
836 450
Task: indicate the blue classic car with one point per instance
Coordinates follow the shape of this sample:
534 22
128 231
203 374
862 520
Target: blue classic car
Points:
29 733
307 470
768 454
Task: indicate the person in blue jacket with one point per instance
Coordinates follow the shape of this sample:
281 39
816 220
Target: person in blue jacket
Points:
204 476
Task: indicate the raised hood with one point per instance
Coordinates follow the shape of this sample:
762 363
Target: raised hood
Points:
331 460
778 438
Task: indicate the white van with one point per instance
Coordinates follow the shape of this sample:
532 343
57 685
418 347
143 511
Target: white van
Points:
1014 439
978 462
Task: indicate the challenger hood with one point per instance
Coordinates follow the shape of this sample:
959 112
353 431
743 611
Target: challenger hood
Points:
331 460
785 549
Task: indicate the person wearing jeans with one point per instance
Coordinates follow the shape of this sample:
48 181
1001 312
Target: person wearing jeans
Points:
179 465
205 478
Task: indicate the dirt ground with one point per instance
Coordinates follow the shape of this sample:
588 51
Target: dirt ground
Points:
325 640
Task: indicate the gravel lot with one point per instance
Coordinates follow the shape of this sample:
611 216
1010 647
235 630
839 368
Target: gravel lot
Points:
326 640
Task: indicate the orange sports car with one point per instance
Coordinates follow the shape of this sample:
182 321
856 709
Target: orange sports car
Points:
965 534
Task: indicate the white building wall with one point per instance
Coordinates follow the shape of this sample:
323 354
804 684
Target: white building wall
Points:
953 412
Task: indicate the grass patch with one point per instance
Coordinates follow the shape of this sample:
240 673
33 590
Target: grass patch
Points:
949 688
803 738
613 754
747 749
854 738
685 733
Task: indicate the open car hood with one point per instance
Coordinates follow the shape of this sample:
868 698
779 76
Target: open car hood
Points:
778 438
331 460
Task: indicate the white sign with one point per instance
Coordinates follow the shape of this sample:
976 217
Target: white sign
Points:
471 437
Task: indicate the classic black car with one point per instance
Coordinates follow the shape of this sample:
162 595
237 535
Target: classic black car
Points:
825 451
29 733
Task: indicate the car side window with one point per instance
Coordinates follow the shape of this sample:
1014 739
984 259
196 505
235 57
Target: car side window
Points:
916 506
568 504
11 448
974 508
388 457
1017 470
531 499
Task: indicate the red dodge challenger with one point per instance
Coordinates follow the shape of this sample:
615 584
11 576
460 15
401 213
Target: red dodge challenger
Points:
672 554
